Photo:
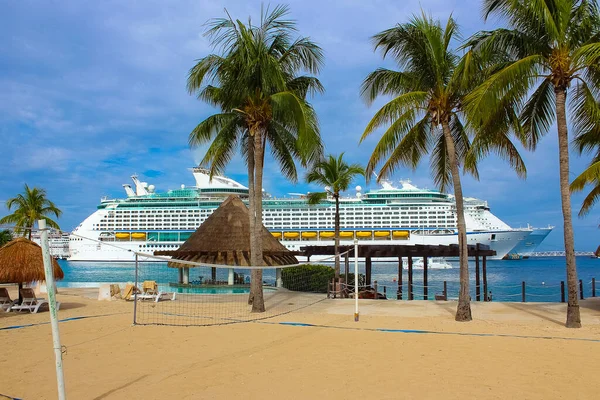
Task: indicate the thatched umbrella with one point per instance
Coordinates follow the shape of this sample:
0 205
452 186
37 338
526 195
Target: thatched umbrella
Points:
21 261
224 238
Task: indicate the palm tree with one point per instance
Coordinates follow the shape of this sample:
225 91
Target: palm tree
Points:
257 86
30 206
5 237
550 45
426 116
336 176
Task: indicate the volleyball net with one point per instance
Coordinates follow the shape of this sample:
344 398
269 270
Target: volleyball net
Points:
219 294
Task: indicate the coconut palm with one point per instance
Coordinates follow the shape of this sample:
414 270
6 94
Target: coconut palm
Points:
261 96
549 47
5 237
426 116
29 207
336 176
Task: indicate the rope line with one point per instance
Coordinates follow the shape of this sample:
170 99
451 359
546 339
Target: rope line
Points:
417 331
60 320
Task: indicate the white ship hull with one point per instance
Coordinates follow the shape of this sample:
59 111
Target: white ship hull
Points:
147 221
88 250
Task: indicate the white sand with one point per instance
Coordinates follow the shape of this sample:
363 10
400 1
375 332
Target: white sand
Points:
108 358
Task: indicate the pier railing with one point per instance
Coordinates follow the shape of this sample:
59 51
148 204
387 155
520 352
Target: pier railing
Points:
444 290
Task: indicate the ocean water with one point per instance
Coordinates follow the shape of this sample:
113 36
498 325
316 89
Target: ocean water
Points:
542 277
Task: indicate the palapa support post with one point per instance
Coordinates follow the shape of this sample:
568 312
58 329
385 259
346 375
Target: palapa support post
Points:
485 285
593 287
213 275
230 276
375 289
179 272
399 292
49 273
384 292
425 291
368 266
523 291
410 278
477 280
278 278
562 291
186 275
581 289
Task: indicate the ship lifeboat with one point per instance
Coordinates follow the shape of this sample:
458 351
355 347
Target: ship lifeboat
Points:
291 235
122 235
309 235
400 234
276 234
327 234
346 235
138 235
363 234
382 234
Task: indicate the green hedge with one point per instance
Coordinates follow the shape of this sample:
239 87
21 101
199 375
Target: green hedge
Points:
313 278
307 278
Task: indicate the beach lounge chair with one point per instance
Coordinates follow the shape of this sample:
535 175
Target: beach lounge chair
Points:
31 303
150 292
5 301
130 291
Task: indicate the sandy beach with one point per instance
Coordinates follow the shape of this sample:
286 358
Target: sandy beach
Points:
510 350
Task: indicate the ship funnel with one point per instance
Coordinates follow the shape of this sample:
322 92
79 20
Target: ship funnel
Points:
129 190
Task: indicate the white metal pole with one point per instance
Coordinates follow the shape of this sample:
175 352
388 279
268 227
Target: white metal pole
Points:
49 272
355 280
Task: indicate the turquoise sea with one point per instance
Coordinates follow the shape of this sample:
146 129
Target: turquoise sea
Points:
542 277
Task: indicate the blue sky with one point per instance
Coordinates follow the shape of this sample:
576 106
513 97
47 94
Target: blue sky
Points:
92 92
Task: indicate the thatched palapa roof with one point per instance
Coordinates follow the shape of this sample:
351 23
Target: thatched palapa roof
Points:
21 260
224 238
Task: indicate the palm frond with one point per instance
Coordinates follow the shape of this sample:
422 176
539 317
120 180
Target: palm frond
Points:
316 198
395 109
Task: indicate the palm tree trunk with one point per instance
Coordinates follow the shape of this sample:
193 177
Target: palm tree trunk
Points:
251 217
258 304
573 316
463 311
337 239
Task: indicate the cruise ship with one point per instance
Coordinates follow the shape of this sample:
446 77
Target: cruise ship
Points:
58 242
528 245
146 220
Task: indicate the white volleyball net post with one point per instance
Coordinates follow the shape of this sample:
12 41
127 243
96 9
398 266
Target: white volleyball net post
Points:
356 280
51 290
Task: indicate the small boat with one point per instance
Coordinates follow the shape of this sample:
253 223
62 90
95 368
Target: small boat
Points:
327 234
382 234
276 234
138 235
291 235
346 235
309 234
122 235
432 263
363 234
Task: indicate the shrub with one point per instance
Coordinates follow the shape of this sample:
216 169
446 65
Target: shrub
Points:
313 278
307 278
